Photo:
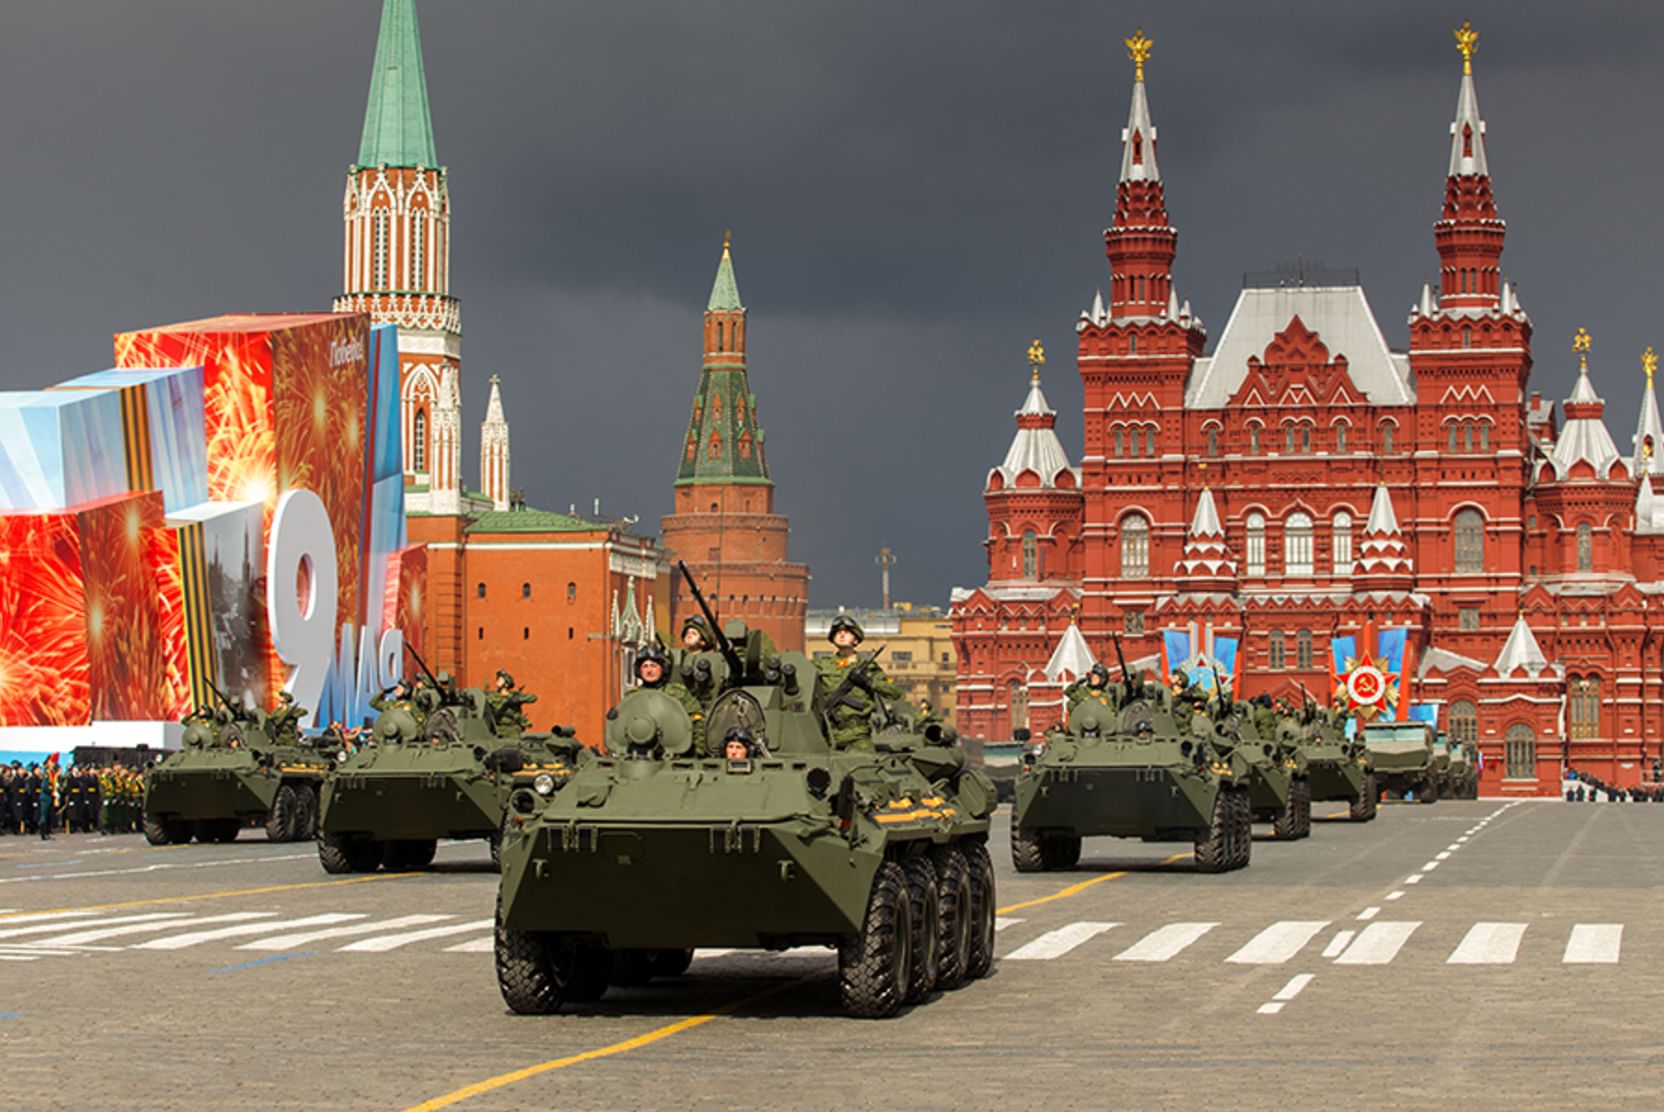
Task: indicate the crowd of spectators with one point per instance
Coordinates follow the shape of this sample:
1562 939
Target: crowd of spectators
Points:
42 797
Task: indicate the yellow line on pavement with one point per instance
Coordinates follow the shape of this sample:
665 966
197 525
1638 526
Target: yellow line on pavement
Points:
266 891
468 1092
1076 889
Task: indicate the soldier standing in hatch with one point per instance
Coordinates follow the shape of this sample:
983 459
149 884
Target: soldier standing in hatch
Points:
1094 687
850 721
505 702
285 720
653 671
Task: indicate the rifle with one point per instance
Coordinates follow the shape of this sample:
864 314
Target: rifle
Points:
1120 658
422 664
840 696
724 646
238 713
1219 689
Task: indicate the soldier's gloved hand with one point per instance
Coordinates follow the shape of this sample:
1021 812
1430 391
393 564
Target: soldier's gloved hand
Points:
862 680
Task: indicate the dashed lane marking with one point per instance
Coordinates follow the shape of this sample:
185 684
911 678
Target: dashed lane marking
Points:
307 938
393 941
1278 942
1594 944
1288 992
1165 943
1368 913
158 867
1054 944
1378 943
196 938
1489 944
1395 895
1338 943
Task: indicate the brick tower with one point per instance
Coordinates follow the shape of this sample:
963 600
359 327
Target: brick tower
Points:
397 215
725 526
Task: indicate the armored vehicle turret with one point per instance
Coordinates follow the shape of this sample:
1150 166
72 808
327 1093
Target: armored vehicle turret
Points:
236 766
751 830
1402 755
437 764
1143 764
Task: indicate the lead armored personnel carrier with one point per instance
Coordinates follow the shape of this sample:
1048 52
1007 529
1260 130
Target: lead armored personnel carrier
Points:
1145 767
1402 756
436 766
235 767
878 849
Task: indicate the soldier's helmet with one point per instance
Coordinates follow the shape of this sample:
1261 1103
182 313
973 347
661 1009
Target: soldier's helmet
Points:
696 622
653 652
286 698
506 679
1099 673
844 621
445 679
1181 680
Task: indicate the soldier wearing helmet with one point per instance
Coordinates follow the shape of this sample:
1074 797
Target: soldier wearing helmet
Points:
1095 687
850 721
503 705
653 672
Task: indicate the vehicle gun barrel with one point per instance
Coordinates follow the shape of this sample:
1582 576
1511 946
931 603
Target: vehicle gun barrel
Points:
723 645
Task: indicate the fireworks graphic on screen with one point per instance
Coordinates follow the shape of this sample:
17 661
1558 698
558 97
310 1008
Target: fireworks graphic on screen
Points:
43 623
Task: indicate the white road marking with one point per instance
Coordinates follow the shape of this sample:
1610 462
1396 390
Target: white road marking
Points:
1166 942
1395 895
83 938
1489 944
1001 924
1368 913
1270 1009
1056 943
21 957
1462 839
196 938
1278 942
1337 944
166 866
46 928
1430 866
1295 986
382 943
1594 944
306 938
1442 856
43 916
1416 879
486 945
1378 943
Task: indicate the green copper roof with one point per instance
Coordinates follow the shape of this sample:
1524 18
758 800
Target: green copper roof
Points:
724 443
397 128
530 521
725 292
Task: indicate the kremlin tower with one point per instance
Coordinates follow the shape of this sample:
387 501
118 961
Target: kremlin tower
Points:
724 525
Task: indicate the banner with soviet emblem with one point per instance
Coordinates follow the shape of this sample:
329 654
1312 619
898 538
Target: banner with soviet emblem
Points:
1372 673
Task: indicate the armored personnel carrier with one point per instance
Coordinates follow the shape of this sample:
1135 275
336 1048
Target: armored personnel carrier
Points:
877 849
1140 768
236 766
1401 754
1337 769
436 766
1463 775
1279 791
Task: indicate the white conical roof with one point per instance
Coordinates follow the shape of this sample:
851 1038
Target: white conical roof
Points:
1035 449
1139 126
1648 428
1584 439
1646 507
1072 658
1205 521
1382 518
494 405
1467 133
1521 651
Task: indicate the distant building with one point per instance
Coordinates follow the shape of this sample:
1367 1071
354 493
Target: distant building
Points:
724 525
1306 482
918 649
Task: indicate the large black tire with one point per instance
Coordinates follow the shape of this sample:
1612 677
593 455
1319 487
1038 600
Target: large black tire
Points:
1062 851
875 965
332 854
927 928
1244 829
1213 845
280 820
306 812
671 963
1287 821
979 867
1302 793
1428 792
1364 807
496 844
156 831
1027 848
953 895
526 974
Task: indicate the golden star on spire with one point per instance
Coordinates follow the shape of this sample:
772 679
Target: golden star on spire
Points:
1581 344
1036 359
727 238
1649 363
1138 49
1467 41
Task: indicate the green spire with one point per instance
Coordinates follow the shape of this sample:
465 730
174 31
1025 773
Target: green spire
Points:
397 128
725 293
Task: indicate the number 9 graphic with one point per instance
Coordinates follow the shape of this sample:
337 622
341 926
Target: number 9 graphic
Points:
301 611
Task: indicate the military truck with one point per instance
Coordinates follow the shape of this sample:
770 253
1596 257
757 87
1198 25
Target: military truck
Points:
437 765
1401 754
236 766
877 849
1146 767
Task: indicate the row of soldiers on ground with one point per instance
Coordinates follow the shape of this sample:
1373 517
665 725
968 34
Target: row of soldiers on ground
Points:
39 800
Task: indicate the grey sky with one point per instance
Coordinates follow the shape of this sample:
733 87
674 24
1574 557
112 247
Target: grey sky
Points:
916 191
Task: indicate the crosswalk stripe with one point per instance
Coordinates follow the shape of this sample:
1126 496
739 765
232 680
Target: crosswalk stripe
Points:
382 943
306 938
1488 944
43 916
47 928
1002 923
1165 943
485 945
196 938
1056 943
1278 942
85 938
1378 943
21 957
1594 944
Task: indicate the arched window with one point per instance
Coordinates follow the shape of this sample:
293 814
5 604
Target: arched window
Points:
1135 547
379 222
1213 443
1520 754
1303 650
1297 544
1305 438
1255 548
1031 555
1343 543
1253 440
1340 438
1470 541
1450 437
1464 722
1288 440
1467 436
1386 437
1583 706
1467 332
419 442
418 248
1017 699
1585 547
1484 436
481 589
571 593
1277 651
525 590
1118 443
1150 441
1132 345
1133 438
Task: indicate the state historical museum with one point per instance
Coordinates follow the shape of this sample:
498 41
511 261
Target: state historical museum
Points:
1306 482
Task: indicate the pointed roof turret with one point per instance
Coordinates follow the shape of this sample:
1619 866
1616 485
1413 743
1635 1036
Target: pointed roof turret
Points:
1584 439
1205 521
1139 240
725 292
1469 233
398 131
1383 519
1206 564
1138 138
724 442
1649 430
1036 447
1467 131
1521 651
1072 659
1383 562
494 405
1646 507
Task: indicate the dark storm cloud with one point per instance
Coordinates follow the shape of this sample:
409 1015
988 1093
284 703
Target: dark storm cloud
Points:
916 191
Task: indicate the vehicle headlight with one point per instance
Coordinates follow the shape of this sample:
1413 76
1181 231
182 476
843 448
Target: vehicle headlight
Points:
341 756
544 784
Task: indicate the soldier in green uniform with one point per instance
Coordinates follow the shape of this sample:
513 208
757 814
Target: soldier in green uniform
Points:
850 721
653 671
505 702
1094 687
284 723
